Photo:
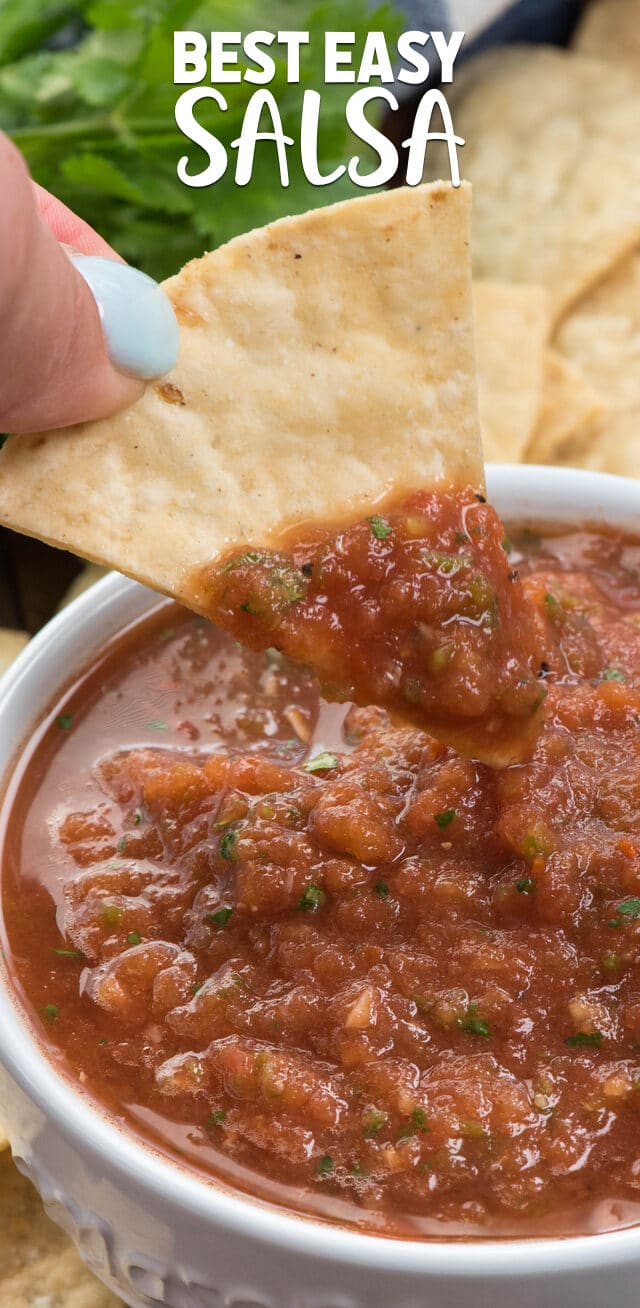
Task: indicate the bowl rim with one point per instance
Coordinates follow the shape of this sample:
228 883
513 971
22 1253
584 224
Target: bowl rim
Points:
92 1131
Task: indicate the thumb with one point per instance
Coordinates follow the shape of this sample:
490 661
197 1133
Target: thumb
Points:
75 337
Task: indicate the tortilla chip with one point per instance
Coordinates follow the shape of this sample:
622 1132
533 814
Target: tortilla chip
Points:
553 153
59 1281
610 29
607 348
11 642
38 1265
511 325
569 411
618 293
324 360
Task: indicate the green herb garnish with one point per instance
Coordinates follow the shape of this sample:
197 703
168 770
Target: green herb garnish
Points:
321 763
324 1165
64 721
419 1125
50 1012
629 908
220 918
525 886
475 1025
134 938
312 898
226 848
239 560
585 1040
443 819
612 674
216 1118
534 846
380 528
382 890
69 953
553 606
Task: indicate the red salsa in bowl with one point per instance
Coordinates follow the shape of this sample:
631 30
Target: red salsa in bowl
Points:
320 956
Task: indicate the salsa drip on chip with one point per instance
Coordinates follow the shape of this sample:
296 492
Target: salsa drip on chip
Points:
415 608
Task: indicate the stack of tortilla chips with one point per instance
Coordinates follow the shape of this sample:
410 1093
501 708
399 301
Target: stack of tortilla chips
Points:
38 1266
554 156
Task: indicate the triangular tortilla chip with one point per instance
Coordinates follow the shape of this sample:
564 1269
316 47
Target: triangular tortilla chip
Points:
551 148
570 408
323 360
607 348
511 327
618 293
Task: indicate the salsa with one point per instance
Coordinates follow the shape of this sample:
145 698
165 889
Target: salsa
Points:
323 958
415 609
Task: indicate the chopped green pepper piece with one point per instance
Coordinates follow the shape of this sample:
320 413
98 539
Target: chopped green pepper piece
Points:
110 914
217 1117
380 527
373 1122
321 763
443 819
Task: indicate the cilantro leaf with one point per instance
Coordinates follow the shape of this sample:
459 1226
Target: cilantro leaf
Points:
94 116
380 528
312 898
442 820
629 907
585 1040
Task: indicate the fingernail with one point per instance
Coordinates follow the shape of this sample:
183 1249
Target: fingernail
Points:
139 325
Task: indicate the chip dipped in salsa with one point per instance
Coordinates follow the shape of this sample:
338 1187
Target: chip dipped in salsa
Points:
415 609
317 954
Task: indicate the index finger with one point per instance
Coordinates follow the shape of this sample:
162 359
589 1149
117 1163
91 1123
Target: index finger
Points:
68 228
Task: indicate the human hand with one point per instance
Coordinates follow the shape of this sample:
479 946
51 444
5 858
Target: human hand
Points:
76 338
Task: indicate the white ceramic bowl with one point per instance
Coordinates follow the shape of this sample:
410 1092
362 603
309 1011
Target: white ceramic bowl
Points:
158 1235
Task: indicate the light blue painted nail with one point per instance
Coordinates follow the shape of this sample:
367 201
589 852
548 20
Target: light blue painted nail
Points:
139 325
